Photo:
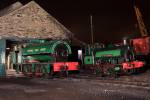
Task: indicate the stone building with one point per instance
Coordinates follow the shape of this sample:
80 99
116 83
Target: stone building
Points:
30 21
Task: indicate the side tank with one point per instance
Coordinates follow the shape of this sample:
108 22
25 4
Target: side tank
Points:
46 52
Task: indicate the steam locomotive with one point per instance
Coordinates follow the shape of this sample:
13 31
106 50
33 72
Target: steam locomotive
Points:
43 58
126 58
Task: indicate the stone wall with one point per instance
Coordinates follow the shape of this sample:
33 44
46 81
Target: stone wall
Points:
31 21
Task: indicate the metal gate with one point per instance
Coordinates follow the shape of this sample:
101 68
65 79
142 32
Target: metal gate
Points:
2 57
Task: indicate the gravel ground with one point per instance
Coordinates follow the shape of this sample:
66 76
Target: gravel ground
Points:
138 77
67 89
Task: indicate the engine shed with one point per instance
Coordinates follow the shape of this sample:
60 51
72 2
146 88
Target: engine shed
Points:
23 23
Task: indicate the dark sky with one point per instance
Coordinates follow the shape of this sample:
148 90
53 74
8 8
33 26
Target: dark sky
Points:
112 19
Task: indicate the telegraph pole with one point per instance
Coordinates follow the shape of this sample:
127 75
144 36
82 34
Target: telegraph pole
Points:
91 23
92 38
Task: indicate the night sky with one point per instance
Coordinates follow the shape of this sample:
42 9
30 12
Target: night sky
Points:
112 19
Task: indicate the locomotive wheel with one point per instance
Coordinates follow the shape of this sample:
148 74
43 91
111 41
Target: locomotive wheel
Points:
48 75
29 74
128 71
99 70
113 73
109 70
38 74
64 71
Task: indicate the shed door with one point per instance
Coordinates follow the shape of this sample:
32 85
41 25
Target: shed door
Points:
2 57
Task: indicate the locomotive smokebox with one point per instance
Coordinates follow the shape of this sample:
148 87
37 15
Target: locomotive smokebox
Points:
126 41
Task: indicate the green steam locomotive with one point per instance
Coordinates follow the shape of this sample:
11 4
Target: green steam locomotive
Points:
43 58
112 60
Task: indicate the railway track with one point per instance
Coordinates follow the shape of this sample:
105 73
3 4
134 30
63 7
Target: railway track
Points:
121 81
113 81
